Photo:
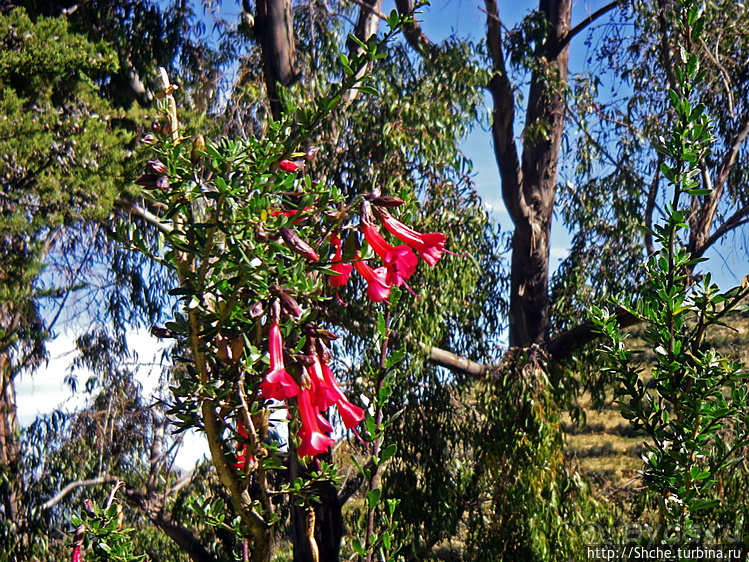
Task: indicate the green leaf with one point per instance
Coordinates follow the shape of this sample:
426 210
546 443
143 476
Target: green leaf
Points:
373 497
389 452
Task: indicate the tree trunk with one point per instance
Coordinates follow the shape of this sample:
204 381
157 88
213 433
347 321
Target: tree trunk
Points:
529 186
8 440
274 27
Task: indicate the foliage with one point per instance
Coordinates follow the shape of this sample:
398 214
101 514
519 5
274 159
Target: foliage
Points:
696 416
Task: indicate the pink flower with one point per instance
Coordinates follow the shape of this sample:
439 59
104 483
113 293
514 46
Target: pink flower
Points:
277 384
313 440
428 246
350 414
400 261
342 269
76 553
377 289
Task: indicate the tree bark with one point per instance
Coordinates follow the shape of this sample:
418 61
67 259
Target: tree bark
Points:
274 27
529 185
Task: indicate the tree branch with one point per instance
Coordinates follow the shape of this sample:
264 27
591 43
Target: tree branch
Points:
415 36
105 479
585 23
739 218
503 119
454 362
143 214
564 344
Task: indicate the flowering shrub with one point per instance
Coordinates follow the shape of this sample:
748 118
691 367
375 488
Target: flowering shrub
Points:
260 250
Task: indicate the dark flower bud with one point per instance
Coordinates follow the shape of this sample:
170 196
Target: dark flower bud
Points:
287 301
161 333
157 167
166 129
157 127
387 201
163 183
305 359
297 244
88 507
311 153
149 139
198 146
322 351
374 194
80 534
255 309
275 311
147 180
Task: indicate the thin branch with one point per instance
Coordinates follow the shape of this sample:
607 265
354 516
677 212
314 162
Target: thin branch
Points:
739 218
105 479
372 9
585 23
143 214
723 72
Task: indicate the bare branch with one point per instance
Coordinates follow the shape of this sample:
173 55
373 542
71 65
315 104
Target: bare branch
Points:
585 23
105 479
371 8
739 218
503 119
454 362
143 214
411 29
564 344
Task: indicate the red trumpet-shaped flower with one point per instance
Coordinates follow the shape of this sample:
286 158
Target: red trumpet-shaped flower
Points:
350 414
400 261
342 269
277 384
429 246
313 440
377 288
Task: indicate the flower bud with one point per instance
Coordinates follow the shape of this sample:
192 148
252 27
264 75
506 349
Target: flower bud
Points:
198 146
88 507
297 244
147 180
322 351
387 201
305 359
149 139
157 167
157 127
255 309
163 183
287 301
311 153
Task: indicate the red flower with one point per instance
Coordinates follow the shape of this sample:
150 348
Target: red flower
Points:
342 269
242 448
400 261
289 166
277 384
429 246
76 553
377 289
350 414
313 440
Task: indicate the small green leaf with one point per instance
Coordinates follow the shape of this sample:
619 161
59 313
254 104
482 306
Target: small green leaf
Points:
373 497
